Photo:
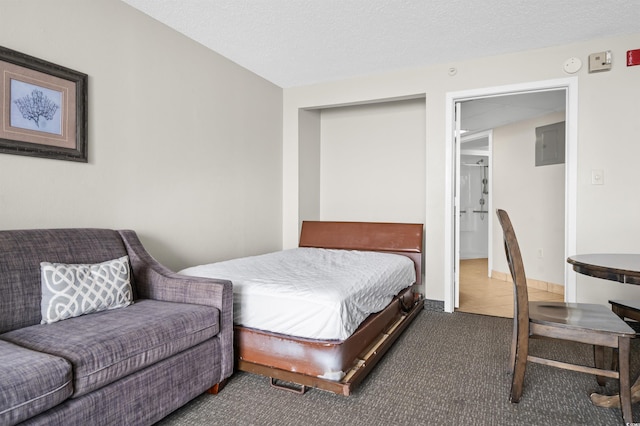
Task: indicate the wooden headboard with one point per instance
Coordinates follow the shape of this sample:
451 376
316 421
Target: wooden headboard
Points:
398 238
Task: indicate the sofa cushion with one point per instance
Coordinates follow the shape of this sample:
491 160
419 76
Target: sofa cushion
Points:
106 346
71 290
32 382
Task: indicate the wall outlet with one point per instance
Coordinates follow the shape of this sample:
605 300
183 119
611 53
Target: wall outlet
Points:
540 253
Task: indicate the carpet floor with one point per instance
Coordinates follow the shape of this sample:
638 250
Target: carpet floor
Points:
445 369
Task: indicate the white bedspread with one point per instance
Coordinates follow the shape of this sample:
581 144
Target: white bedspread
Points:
310 292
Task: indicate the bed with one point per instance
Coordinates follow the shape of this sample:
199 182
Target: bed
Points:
272 341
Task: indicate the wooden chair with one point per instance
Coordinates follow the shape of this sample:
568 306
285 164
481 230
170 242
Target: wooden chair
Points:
584 323
626 308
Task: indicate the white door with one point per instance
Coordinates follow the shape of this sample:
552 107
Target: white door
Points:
452 207
456 209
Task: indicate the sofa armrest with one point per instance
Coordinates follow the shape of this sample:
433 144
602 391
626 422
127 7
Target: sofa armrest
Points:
152 280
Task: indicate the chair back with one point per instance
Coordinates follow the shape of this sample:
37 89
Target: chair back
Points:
516 267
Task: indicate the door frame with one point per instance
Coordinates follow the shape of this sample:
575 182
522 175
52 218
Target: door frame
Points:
570 85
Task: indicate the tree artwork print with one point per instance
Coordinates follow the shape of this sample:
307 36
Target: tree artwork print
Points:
35 108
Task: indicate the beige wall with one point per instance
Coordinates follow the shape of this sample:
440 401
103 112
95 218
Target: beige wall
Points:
184 145
372 162
533 197
309 176
607 125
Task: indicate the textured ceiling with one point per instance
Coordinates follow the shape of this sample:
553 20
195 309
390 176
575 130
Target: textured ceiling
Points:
299 42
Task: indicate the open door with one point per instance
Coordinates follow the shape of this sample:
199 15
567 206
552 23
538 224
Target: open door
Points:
472 198
456 203
455 118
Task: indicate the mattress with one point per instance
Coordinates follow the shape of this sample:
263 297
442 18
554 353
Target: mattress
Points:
311 292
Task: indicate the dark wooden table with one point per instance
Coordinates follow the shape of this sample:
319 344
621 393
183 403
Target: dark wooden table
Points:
621 267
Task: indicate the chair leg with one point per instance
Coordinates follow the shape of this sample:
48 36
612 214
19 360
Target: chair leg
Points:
614 359
519 368
512 353
598 360
624 344
517 382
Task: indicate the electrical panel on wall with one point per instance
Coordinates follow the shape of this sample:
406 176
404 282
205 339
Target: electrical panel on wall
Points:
550 144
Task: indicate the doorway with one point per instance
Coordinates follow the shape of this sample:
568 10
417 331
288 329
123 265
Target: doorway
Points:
500 98
474 175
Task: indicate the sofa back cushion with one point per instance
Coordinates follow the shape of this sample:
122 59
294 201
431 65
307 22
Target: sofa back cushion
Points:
21 252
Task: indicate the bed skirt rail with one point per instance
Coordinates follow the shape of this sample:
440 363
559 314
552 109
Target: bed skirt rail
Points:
376 335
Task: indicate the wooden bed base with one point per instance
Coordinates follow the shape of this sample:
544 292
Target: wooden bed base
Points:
304 362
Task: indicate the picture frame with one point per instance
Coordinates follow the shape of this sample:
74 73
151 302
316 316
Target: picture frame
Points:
43 108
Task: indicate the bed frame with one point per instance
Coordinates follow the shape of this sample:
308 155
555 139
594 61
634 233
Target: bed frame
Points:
295 363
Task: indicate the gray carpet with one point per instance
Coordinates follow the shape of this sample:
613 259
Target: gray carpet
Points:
446 369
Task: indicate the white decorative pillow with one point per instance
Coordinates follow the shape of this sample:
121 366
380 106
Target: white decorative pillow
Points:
71 290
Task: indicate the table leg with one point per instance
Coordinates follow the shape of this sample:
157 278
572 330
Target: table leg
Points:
613 401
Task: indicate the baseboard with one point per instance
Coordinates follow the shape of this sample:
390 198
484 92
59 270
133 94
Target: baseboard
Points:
434 305
531 283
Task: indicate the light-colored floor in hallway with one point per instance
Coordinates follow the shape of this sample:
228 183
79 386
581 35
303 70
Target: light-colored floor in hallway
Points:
480 294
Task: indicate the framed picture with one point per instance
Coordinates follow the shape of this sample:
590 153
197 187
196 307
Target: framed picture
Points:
43 108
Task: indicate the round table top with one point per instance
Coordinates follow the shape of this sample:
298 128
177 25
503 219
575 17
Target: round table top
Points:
620 263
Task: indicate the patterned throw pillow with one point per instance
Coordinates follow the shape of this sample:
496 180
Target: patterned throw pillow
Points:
70 290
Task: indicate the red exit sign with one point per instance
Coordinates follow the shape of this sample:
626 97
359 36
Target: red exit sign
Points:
633 57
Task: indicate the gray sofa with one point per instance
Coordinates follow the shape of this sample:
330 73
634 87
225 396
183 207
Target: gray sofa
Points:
126 366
